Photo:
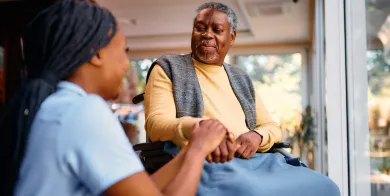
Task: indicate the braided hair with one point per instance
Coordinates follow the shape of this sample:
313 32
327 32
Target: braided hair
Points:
58 41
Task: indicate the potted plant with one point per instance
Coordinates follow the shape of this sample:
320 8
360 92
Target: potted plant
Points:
303 137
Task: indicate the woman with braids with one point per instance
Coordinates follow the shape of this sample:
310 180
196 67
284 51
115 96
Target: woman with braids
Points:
59 137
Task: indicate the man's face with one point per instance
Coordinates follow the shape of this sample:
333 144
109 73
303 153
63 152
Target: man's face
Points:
211 36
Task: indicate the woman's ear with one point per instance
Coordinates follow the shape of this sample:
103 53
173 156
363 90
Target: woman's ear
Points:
96 60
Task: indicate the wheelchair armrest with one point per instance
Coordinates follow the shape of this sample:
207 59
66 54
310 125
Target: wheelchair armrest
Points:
152 155
138 99
149 146
282 151
151 150
281 145
279 148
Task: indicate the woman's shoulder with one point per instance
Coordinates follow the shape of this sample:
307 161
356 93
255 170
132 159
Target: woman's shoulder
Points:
92 102
93 108
74 110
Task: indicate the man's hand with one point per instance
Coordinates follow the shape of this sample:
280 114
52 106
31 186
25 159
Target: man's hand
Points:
224 152
207 135
249 142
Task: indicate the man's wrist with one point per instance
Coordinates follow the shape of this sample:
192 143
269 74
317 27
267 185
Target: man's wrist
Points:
261 136
186 127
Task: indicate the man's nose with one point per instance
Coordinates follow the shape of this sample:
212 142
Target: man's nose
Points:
208 34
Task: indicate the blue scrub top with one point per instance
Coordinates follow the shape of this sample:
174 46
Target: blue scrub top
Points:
76 147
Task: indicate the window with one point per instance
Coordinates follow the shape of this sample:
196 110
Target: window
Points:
277 78
142 67
378 70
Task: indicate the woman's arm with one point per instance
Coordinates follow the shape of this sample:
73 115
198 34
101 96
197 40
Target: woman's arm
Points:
186 169
183 173
167 173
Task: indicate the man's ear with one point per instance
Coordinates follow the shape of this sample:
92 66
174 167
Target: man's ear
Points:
232 38
96 60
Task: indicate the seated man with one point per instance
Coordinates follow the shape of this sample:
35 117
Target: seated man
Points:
185 89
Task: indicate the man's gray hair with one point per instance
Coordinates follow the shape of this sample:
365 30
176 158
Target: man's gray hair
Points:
232 18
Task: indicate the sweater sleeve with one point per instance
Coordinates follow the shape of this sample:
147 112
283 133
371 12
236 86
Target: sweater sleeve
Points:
161 123
266 127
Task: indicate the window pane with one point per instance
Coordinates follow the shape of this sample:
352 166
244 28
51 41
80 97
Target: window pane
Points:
278 80
378 69
142 66
132 116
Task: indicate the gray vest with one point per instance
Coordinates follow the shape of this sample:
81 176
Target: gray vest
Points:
188 94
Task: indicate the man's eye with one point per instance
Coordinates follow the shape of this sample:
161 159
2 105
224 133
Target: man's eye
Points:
127 50
200 28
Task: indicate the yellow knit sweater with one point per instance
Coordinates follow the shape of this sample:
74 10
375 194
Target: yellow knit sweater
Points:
220 103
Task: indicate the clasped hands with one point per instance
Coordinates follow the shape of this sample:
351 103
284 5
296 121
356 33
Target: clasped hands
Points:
245 146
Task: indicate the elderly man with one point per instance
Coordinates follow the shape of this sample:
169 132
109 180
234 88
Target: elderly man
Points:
185 89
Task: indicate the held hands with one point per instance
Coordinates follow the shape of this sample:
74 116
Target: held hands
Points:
225 151
249 142
214 139
207 135
244 147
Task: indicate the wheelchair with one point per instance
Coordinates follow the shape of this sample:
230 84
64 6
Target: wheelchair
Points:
153 154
